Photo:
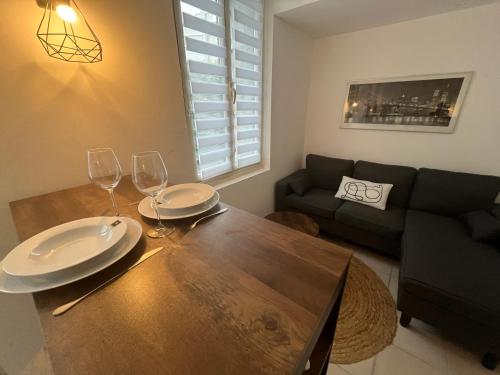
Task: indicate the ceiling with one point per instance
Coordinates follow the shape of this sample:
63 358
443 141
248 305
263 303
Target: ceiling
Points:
322 18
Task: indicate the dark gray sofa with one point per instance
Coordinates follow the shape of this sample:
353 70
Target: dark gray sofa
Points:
446 278
365 225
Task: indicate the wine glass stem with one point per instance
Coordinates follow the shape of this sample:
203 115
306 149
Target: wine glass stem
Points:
157 213
115 206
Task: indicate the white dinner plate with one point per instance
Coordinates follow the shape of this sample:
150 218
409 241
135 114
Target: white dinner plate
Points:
64 246
185 196
15 285
145 209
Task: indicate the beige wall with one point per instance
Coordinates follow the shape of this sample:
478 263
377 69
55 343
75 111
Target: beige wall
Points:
291 64
454 42
52 111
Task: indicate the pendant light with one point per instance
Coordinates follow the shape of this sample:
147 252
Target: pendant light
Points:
66 35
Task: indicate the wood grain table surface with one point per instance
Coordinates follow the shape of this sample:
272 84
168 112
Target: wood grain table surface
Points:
295 220
237 295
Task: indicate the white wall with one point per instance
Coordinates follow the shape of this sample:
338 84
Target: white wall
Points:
291 65
280 6
465 40
52 111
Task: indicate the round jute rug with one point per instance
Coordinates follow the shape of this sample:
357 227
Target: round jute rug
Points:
367 320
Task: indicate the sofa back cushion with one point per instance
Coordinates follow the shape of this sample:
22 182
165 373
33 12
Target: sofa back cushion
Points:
453 193
401 177
326 173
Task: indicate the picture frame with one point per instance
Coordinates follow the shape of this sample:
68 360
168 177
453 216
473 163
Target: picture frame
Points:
419 103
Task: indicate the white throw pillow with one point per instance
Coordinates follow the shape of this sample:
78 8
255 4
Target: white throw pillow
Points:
365 192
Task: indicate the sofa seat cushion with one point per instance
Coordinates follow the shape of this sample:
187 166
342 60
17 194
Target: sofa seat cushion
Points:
315 201
388 223
442 264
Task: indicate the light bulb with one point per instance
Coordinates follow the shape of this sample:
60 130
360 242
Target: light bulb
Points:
66 13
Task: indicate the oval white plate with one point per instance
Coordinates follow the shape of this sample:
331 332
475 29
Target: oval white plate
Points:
185 196
146 210
15 285
64 246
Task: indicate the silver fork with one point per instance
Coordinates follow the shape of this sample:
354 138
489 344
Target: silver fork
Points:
192 226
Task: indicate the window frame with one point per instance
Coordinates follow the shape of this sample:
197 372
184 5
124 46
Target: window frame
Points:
235 174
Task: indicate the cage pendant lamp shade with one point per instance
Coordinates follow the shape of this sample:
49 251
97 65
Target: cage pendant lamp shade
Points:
66 35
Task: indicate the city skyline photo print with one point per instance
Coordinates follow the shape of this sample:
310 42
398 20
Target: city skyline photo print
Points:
420 103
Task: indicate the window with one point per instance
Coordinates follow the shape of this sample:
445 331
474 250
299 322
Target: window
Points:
220 43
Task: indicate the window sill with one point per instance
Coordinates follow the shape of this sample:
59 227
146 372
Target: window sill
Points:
237 176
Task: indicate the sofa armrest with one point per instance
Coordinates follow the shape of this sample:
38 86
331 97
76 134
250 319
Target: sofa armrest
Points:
283 188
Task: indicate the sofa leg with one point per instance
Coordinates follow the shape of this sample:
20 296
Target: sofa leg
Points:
405 319
490 361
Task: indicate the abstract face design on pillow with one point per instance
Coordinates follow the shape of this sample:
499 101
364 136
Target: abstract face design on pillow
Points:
374 194
360 191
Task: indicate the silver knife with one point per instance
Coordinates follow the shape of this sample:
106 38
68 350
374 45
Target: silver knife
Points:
63 308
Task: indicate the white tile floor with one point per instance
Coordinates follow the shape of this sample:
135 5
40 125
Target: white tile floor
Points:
419 349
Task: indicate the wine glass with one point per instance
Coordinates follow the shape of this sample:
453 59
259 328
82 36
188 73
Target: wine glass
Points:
150 178
105 171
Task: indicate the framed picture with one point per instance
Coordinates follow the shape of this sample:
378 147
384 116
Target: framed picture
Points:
428 103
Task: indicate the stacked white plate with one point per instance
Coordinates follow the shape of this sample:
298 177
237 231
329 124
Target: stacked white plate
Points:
67 253
181 201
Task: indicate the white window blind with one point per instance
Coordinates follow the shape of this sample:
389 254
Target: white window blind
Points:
221 54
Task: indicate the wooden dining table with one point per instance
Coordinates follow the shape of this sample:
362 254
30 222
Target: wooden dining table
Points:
236 295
